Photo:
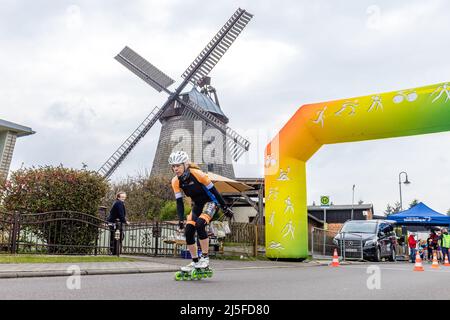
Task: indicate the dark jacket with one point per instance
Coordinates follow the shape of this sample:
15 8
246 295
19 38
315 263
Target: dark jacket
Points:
117 212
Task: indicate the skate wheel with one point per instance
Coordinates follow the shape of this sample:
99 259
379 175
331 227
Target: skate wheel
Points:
178 276
194 274
186 276
210 273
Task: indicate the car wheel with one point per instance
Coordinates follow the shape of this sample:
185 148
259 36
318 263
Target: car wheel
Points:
377 257
393 256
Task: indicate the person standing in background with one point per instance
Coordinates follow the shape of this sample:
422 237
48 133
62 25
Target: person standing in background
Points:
445 242
412 243
117 212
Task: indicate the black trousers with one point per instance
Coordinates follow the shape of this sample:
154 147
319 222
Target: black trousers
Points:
113 241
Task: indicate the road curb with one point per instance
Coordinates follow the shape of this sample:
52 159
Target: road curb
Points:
62 273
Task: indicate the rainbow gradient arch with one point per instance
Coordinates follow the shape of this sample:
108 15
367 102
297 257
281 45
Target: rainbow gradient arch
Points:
393 114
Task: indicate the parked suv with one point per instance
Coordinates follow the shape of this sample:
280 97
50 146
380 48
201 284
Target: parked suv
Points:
375 238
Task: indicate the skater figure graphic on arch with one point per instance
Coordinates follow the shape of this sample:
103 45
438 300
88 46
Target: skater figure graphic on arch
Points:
348 104
289 206
288 229
273 193
206 201
284 174
440 91
320 116
272 219
270 161
376 103
275 246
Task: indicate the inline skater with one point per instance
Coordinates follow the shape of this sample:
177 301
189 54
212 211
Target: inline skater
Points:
206 201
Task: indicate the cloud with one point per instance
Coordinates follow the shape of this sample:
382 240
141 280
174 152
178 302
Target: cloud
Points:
59 77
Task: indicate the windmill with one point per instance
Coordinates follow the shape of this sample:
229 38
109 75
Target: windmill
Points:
182 110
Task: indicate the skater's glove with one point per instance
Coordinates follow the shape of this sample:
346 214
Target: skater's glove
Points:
180 225
227 212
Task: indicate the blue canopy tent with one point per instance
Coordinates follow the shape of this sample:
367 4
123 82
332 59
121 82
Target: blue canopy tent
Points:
420 215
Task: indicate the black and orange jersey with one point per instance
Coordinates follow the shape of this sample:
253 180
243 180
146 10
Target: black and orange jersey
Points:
196 186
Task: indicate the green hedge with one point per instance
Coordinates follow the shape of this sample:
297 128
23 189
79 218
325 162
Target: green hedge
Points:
44 189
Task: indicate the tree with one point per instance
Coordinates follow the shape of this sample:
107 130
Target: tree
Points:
448 212
397 207
390 210
169 211
146 196
413 203
47 189
360 202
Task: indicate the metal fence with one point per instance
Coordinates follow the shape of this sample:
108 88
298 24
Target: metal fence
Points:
322 244
75 233
150 238
351 246
6 232
242 232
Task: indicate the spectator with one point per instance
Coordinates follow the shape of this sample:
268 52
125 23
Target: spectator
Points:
430 248
438 247
432 245
117 212
412 243
445 242
423 249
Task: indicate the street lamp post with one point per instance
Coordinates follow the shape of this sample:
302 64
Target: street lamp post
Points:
400 186
405 248
353 201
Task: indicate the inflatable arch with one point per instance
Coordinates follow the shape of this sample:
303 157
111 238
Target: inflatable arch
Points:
394 114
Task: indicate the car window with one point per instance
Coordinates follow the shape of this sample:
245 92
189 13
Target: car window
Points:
359 227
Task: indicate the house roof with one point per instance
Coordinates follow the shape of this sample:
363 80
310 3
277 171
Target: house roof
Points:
14 127
310 216
342 207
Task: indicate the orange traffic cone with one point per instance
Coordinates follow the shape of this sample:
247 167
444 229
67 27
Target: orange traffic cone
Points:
418 265
335 262
446 264
435 264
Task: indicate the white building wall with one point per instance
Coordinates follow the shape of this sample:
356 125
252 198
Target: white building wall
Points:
242 214
7 143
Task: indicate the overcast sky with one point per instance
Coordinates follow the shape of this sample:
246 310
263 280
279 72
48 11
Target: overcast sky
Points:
59 77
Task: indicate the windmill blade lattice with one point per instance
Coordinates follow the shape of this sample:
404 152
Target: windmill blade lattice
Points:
120 154
236 144
217 47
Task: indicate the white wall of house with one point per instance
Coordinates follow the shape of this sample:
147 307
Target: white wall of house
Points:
7 143
242 214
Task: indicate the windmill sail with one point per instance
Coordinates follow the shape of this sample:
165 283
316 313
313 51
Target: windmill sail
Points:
198 69
120 154
236 144
217 47
144 69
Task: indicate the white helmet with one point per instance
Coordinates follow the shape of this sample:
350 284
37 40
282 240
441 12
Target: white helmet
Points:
178 157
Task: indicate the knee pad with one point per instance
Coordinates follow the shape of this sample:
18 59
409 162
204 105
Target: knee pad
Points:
200 225
189 232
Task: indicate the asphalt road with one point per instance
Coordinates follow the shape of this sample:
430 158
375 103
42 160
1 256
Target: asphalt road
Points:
397 281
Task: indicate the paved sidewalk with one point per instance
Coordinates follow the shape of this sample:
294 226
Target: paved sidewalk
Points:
21 270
